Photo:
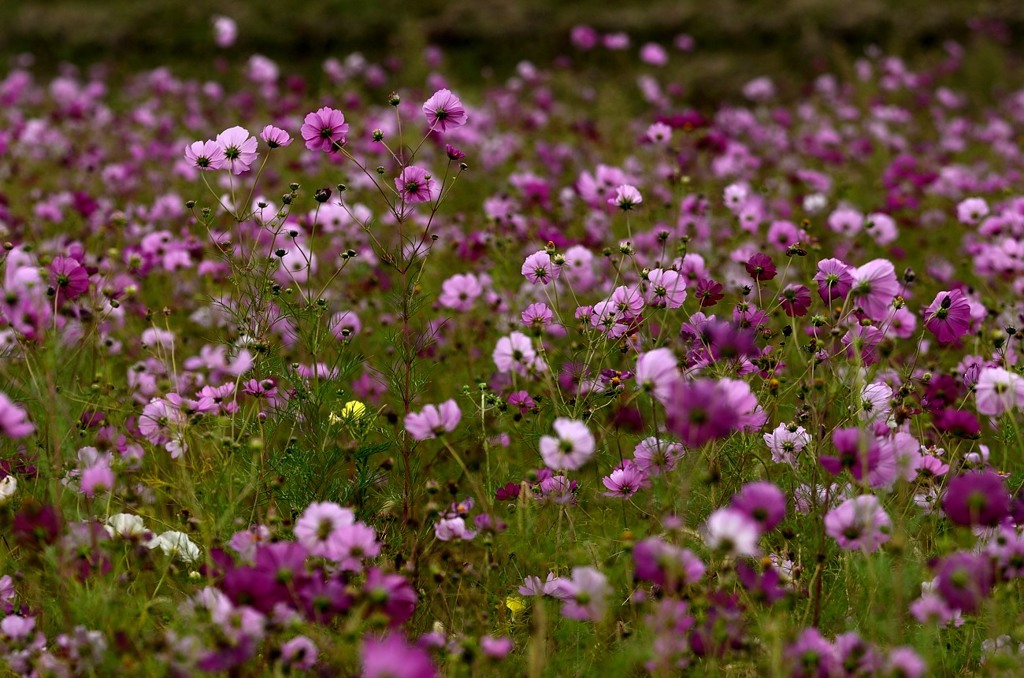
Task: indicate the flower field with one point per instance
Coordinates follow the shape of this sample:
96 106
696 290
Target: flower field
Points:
371 373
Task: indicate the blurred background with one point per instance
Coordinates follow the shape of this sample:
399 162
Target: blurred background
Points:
733 38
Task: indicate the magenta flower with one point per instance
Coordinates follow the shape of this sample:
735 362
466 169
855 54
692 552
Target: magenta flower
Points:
496 648
786 442
415 184
949 316
444 111
834 279
392 657
858 452
795 300
760 267
239 150
699 411
275 136
859 523
391 594
670 567
964 580
588 595
811 656
433 420
763 502
324 130
573 447
298 653
976 498
68 278
205 155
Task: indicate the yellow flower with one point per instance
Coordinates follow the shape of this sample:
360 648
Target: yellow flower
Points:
334 419
353 409
515 604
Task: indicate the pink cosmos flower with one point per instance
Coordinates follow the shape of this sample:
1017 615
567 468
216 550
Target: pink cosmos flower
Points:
786 442
573 447
665 288
998 390
949 316
874 288
859 523
433 420
239 150
275 136
626 197
320 524
205 155
515 353
324 130
225 31
460 291
449 529
971 210
734 532
415 184
589 591
444 111
538 268
656 371
655 457
625 481
392 657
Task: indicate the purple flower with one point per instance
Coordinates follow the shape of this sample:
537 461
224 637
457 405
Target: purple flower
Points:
834 280
320 524
665 564
391 594
324 130
976 498
444 111
858 452
964 580
795 300
699 411
415 185
764 586
450 529
998 390
299 653
433 420
949 316
763 502
811 656
760 267
859 523
573 447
